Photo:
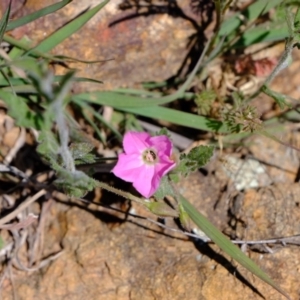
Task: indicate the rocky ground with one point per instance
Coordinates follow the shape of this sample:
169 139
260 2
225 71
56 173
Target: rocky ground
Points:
92 252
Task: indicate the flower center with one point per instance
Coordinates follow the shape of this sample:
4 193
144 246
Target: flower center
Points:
150 156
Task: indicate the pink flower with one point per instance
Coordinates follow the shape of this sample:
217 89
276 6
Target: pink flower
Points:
145 161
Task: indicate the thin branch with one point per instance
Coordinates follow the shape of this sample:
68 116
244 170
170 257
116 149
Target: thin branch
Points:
14 170
295 239
22 206
22 224
121 193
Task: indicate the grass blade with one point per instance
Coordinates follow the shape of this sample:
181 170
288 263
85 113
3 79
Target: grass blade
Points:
126 100
20 111
24 45
99 117
72 59
80 79
142 108
20 81
115 99
179 118
36 15
253 11
60 35
4 22
262 35
94 126
225 244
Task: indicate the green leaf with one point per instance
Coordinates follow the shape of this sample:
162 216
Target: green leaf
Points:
65 58
16 52
161 209
137 92
163 131
64 86
20 111
79 79
4 22
297 18
184 218
204 101
121 100
156 112
36 15
231 28
279 98
124 101
148 107
262 35
225 244
164 189
75 184
25 45
90 120
201 155
28 64
179 117
85 106
66 31
19 89
81 153
48 147
195 159
21 81
251 13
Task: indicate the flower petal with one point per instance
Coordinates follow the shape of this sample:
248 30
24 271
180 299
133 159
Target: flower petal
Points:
128 167
144 183
164 165
162 144
132 167
135 142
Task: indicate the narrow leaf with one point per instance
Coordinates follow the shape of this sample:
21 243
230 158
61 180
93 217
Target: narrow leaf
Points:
66 31
261 35
1 243
36 15
21 81
100 119
128 100
278 97
145 107
24 45
253 11
179 117
4 22
19 110
225 244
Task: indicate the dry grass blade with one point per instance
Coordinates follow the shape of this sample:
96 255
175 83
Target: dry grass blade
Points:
18 145
22 206
35 251
20 225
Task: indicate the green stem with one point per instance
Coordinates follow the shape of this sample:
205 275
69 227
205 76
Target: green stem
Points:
284 57
219 16
121 193
283 60
226 6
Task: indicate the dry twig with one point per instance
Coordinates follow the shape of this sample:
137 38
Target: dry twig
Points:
22 206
